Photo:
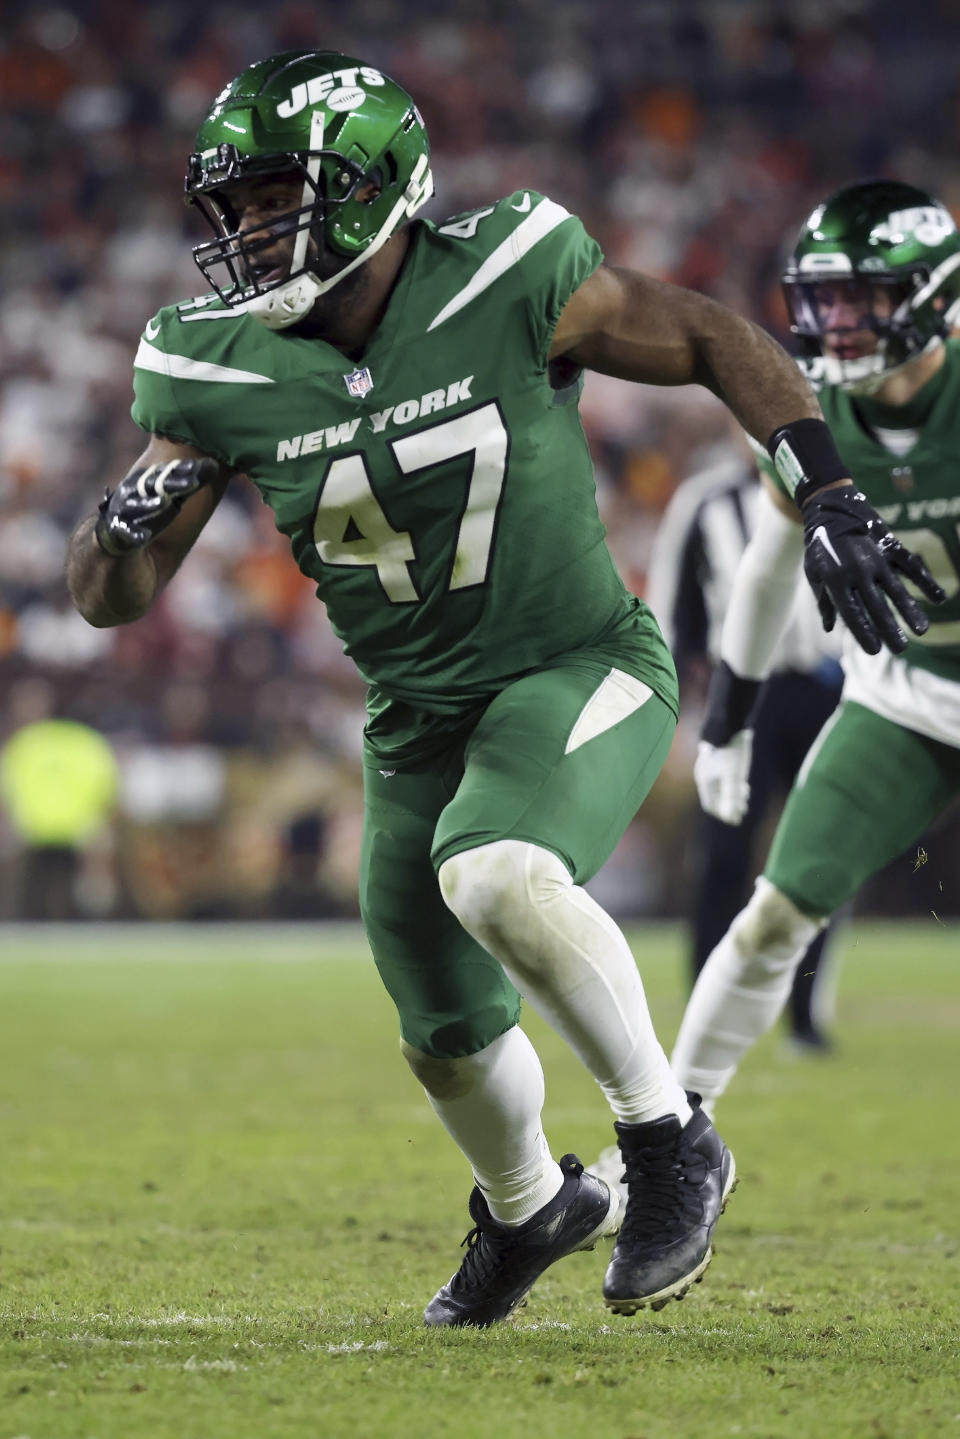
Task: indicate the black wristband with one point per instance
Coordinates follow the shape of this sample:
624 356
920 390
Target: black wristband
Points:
806 458
731 705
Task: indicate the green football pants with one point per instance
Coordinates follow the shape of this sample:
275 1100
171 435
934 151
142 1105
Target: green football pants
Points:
867 790
562 759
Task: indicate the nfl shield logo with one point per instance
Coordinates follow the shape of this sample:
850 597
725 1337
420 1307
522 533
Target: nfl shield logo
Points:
359 383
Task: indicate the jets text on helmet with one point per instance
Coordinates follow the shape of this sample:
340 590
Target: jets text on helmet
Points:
318 87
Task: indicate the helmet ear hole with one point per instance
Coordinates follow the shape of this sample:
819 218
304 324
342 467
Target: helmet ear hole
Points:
373 180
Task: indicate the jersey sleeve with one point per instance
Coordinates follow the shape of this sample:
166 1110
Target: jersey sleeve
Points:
562 256
763 593
156 405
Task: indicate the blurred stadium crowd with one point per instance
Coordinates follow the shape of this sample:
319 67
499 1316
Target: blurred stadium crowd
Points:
691 136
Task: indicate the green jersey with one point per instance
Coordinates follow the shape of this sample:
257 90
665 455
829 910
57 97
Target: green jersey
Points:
904 458
438 489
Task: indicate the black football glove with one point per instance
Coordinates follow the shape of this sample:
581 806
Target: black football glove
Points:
145 501
854 566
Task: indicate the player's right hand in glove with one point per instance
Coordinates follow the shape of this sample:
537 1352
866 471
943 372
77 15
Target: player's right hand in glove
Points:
146 501
855 566
722 776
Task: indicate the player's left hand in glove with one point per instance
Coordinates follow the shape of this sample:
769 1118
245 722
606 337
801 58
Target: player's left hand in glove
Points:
722 776
722 767
855 565
145 502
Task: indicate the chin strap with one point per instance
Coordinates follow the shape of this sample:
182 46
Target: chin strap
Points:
288 304
292 302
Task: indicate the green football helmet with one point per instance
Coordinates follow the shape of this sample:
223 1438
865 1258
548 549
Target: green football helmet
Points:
339 127
890 253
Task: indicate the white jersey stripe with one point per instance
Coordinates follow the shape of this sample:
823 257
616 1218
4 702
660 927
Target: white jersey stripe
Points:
235 312
546 217
180 367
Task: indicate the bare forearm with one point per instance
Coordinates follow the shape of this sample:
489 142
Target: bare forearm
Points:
109 591
753 375
625 324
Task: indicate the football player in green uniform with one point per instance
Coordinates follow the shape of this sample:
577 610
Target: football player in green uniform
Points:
404 396
873 286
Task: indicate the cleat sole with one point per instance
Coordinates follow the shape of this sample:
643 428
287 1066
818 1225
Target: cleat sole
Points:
682 1286
660 1300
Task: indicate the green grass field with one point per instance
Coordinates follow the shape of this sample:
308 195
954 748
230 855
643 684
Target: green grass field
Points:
224 1203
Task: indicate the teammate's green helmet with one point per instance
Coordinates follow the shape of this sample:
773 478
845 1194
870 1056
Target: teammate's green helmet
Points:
338 125
893 248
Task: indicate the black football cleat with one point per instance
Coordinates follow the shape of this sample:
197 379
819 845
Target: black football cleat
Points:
503 1262
678 1180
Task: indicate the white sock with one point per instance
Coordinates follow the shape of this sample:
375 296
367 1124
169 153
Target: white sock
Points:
740 991
490 1104
569 960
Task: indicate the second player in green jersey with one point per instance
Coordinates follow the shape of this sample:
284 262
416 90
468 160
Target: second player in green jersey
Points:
874 287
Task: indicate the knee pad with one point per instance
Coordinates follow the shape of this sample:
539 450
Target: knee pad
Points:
771 932
496 890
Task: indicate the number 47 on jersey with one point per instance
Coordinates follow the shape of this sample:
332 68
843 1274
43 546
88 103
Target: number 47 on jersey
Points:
350 527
